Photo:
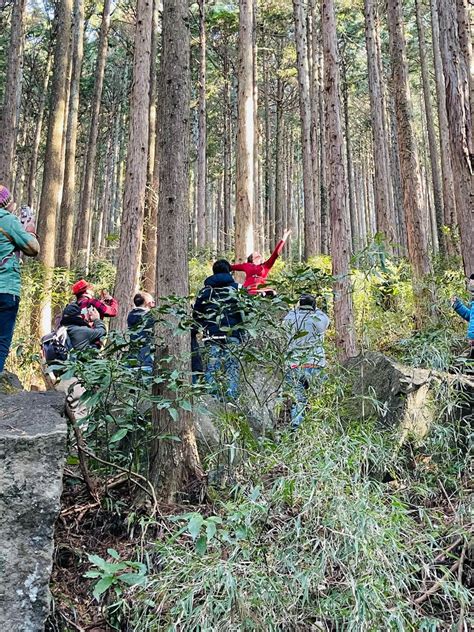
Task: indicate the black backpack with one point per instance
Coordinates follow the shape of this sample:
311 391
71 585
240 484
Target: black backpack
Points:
55 346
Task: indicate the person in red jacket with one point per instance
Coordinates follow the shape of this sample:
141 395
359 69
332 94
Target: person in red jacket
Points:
256 270
84 293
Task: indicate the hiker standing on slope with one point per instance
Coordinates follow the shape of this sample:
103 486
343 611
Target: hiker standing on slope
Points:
14 238
306 326
256 270
217 314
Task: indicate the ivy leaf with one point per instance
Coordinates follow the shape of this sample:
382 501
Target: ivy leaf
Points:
201 544
174 413
104 584
120 434
132 579
195 524
211 530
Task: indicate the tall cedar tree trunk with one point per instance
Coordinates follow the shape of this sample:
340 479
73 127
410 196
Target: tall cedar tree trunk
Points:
315 89
409 166
64 246
227 152
432 143
339 216
310 243
52 174
174 465
245 176
11 103
325 227
349 170
279 159
385 223
151 200
83 219
31 186
201 148
131 232
465 17
449 197
460 125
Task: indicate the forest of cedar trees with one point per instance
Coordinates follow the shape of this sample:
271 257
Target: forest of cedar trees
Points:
150 138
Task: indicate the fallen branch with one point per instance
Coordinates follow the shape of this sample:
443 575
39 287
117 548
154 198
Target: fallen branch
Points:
437 585
150 491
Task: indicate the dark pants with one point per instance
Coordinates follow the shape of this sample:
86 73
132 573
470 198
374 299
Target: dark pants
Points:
8 310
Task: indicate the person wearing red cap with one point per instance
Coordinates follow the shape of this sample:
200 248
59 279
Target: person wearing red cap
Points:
84 293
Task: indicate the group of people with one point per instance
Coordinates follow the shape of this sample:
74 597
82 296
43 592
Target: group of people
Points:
217 313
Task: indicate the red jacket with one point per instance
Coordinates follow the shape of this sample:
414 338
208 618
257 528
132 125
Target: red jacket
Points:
108 307
256 275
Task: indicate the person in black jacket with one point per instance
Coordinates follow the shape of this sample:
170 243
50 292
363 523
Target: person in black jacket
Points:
141 322
217 314
85 330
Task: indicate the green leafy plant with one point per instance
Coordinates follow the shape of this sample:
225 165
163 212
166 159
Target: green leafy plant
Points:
115 574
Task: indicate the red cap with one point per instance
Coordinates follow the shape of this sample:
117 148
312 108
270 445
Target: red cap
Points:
79 287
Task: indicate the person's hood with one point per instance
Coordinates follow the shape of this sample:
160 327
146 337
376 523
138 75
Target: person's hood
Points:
222 279
136 316
4 212
72 316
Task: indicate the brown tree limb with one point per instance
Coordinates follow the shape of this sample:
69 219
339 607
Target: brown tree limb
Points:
81 451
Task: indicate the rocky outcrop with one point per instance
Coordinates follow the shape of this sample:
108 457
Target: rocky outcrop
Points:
32 451
408 398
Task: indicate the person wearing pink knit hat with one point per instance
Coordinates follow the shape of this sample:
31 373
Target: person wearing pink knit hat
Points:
14 238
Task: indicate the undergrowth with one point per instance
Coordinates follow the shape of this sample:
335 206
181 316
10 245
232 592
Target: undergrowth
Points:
336 527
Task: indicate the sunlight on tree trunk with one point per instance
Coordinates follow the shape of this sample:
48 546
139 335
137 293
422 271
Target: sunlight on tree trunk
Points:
174 465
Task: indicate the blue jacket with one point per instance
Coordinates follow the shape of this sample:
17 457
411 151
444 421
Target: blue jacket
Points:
468 314
216 306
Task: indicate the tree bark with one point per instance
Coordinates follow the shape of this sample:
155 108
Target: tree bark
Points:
460 125
339 216
64 247
449 198
131 233
385 223
432 144
83 220
245 177
310 241
202 140
174 465
315 90
52 174
228 228
409 165
13 87
465 40
31 186
151 201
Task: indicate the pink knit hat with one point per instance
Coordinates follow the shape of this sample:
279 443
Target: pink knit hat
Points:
5 196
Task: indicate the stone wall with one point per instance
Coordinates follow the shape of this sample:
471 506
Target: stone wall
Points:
32 451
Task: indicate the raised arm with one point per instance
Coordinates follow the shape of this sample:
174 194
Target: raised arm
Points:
461 309
278 248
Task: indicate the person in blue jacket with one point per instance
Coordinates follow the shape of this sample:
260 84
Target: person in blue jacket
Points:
467 313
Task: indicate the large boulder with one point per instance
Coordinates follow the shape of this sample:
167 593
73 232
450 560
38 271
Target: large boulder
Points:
32 451
253 414
401 396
